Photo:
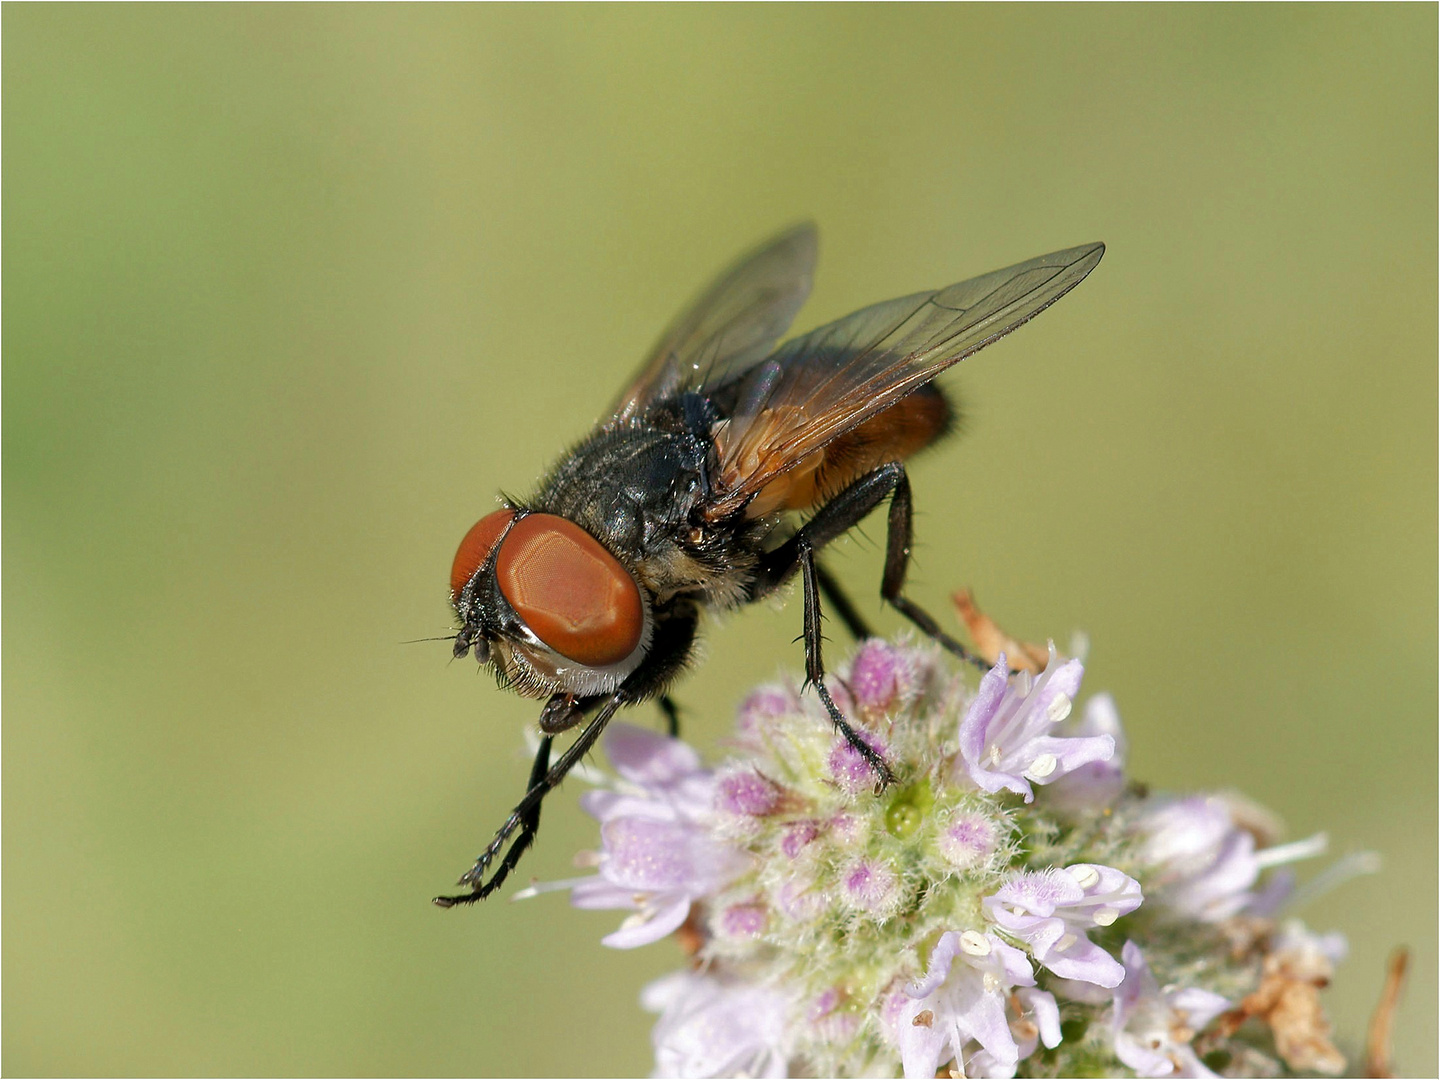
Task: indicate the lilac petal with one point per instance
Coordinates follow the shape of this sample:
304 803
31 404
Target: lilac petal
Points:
1198 1007
1012 961
1041 1005
646 856
711 1028
941 957
1065 680
647 757
921 1044
598 894
1140 1058
982 710
645 928
1102 718
985 1021
1069 753
1040 892
1081 958
604 805
1138 985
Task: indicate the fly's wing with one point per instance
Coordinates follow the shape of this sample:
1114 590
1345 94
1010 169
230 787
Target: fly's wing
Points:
819 386
731 325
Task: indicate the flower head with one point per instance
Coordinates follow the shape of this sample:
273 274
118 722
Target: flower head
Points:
944 922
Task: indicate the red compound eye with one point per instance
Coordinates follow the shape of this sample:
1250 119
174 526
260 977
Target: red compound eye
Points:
570 591
475 548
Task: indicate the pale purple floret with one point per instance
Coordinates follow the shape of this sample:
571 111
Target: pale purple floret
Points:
1006 737
1052 911
744 791
883 676
659 856
967 840
851 771
1098 783
961 1000
744 920
1153 1027
1206 863
871 886
1039 1022
709 1027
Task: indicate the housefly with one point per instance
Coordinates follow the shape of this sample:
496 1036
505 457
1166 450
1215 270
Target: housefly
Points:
588 594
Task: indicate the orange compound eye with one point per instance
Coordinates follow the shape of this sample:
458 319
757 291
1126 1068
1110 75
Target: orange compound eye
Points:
570 591
475 548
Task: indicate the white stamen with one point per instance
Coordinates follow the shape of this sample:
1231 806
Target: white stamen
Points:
1058 709
991 983
1292 852
975 944
1356 864
1066 941
640 918
1043 766
546 886
994 754
1105 916
1084 875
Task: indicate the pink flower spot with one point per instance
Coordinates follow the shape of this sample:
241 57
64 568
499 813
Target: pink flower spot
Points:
747 793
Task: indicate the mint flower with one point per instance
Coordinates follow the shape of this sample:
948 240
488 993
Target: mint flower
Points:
658 854
1205 862
1052 910
963 998
1012 878
711 1027
1154 1027
1007 737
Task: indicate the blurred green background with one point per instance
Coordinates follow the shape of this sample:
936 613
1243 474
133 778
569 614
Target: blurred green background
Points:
292 291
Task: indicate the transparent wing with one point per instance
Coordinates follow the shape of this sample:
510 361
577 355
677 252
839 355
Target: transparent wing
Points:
819 386
731 325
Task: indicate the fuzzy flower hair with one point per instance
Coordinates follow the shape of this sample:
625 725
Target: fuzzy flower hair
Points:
1010 906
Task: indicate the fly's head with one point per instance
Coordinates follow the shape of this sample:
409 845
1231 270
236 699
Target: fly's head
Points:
545 604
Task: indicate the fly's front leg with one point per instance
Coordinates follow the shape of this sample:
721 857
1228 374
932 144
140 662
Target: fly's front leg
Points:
815 665
526 816
897 562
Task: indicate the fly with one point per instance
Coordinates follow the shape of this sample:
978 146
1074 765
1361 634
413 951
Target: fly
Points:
589 594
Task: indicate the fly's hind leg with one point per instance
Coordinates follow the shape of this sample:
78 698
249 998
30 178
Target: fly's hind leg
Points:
832 520
897 562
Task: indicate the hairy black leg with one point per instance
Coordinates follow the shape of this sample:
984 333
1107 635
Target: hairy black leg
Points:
836 598
897 562
672 714
815 666
526 816
841 514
